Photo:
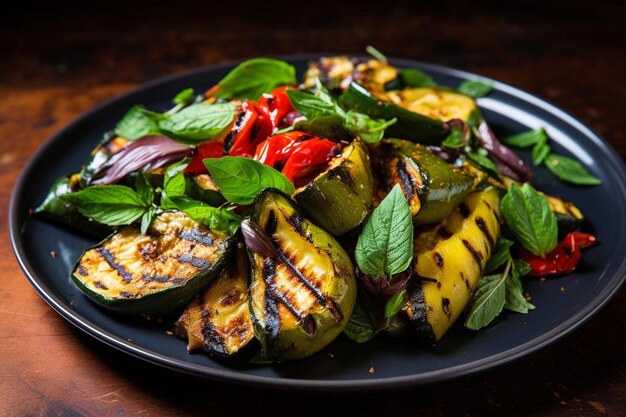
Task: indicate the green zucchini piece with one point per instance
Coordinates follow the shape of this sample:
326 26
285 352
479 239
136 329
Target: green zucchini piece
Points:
302 297
434 102
340 198
55 209
453 255
154 273
432 187
409 125
218 320
201 187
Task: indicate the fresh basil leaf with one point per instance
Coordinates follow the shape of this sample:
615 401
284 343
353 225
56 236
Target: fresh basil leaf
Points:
241 179
144 189
520 268
385 246
528 215
514 299
489 300
325 127
250 79
395 303
413 77
475 118
570 170
454 139
376 53
138 122
112 205
361 326
146 219
475 88
312 106
184 97
370 130
540 151
173 183
501 255
484 162
215 218
198 122
526 139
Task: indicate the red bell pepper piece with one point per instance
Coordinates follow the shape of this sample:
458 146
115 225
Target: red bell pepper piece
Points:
211 149
563 258
308 156
241 135
277 149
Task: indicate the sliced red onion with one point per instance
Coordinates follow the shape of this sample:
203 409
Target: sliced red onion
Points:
501 155
147 152
256 239
383 285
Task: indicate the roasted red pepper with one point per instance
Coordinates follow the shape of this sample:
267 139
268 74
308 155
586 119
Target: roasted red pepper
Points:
563 258
276 149
211 149
240 138
307 157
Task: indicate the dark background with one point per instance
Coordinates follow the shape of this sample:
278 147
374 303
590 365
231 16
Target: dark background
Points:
58 59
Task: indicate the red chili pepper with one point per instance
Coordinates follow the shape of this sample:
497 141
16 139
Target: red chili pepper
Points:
563 258
308 156
241 135
276 149
211 149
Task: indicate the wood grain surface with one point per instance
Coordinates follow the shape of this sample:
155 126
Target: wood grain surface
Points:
59 60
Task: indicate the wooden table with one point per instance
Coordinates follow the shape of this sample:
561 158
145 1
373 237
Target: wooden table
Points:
57 64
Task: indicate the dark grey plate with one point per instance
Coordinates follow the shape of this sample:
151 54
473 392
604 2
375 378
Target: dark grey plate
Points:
343 365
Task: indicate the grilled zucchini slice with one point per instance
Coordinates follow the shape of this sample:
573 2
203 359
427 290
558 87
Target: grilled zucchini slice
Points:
300 298
340 198
454 253
218 319
154 273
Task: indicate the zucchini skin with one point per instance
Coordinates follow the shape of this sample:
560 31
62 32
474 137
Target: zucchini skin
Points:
139 278
454 253
302 297
432 187
409 125
218 320
340 198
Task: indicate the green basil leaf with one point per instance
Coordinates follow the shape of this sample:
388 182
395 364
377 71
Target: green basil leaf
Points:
489 300
144 189
184 97
385 246
475 88
215 218
138 122
501 255
528 215
484 162
514 299
454 139
198 122
325 127
526 139
570 170
312 106
112 205
250 79
370 130
173 183
520 268
376 53
540 151
361 326
241 179
413 77
395 303
146 219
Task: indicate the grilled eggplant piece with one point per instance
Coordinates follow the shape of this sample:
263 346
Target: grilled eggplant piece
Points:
454 253
432 187
337 72
218 319
55 209
154 273
302 296
340 198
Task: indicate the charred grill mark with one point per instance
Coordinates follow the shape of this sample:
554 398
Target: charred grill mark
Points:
465 280
417 313
149 250
110 260
495 213
438 259
231 298
238 328
196 235
406 179
270 309
213 340
343 175
480 222
272 223
157 278
228 141
99 284
82 270
126 294
465 212
296 221
444 233
445 305
475 254
194 260
306 322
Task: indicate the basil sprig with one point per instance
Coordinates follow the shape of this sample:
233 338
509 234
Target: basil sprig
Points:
241 179
250 79
138 122
385 245
528 215
362 325
475 88
413 77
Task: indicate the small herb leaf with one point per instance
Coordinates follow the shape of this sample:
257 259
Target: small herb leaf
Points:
489 301
454 139
370 130
112 205
198 122
526 139
361 326
500 256
215 218
540 151
413 77
475 88
138 122
184 97
376 53
146 219
395 303
570 170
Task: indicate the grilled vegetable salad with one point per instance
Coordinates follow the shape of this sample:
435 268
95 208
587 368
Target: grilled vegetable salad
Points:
269 215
